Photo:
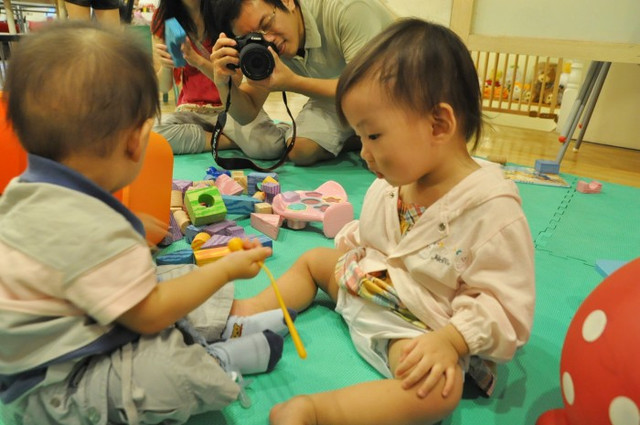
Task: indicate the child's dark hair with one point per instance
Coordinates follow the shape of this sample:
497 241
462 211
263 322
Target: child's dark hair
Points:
76 87
420 64
176 9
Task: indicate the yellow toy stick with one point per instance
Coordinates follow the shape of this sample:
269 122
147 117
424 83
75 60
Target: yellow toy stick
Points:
235 244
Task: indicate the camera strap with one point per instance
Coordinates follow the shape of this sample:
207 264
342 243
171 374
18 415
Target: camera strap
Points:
231 163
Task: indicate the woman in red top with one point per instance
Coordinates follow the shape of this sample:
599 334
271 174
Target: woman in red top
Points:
189 128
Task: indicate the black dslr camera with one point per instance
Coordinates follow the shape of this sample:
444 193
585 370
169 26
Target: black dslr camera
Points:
256 61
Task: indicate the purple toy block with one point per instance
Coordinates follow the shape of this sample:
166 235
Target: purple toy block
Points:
235 231
215 241
218 228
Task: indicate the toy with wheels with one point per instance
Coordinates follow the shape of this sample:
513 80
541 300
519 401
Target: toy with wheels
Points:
327 204
599 368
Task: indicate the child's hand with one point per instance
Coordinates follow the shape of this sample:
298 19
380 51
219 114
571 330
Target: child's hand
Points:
244 263
426 358
154 228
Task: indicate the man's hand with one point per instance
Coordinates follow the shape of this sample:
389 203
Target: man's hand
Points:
222 55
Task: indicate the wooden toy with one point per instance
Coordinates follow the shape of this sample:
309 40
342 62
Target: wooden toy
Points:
204 205
255 179
236 244
592 187
228 186
182 218
599 368
181 185
261 196
547 167
215 241
218 228
199 240
239 204
270 189
269 224
183 256
327 204
240 178
206 256
236 231
263 208
174 37
176 200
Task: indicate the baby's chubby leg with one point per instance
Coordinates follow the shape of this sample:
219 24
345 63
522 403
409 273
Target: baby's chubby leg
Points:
298 285
378 402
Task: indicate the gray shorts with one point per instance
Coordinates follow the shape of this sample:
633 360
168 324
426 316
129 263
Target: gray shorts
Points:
264 139
155 379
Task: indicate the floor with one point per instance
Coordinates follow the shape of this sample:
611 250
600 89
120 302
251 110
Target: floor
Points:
520 146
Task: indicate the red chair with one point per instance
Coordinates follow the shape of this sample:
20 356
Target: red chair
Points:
149 194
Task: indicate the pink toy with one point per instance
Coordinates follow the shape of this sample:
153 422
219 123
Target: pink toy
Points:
269 224
599 368
327 204
593 187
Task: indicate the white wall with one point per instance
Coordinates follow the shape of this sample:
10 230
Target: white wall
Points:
433 10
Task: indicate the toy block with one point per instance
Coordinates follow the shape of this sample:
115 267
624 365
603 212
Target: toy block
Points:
182 219
191 231
263 208
235 231
547 167
218 228
240 178
264 240
183 256
213 173
205 256
175 36
271 190
260 196
205 205
269 179
239 204
199 240
592 187
255 179
181 185
176 200
327 204
228 186
215 241
269 224
174 234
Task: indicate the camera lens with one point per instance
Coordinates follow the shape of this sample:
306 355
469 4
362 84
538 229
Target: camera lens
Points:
256 61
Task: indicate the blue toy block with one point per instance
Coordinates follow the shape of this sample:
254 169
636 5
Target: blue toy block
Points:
606 267
213 173
547 167
183 256
240 204
174 37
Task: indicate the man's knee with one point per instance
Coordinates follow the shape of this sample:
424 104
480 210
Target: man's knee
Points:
308 152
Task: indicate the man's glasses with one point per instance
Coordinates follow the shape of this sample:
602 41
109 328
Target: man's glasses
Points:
267 25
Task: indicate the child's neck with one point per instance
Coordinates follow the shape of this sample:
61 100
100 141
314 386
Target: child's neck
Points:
433 186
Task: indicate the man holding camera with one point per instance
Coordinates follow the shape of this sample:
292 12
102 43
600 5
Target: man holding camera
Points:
310 41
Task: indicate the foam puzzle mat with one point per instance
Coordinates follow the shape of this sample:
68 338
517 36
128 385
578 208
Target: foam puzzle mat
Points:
571 231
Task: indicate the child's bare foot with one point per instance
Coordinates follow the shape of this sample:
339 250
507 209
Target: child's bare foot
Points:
300 410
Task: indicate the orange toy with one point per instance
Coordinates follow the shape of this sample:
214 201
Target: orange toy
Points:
150 193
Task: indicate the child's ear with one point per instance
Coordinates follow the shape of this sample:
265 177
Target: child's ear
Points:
138 139
444 121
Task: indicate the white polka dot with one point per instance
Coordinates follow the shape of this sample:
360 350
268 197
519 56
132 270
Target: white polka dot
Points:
594 325
623 411
567 388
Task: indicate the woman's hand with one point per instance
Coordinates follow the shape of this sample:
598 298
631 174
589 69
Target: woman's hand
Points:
162 55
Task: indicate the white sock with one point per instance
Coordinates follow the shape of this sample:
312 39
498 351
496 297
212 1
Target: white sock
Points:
272 320
255 353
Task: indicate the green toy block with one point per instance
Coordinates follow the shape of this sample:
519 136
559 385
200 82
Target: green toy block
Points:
204 205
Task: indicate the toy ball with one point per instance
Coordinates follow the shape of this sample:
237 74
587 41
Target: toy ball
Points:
235 244
600 363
